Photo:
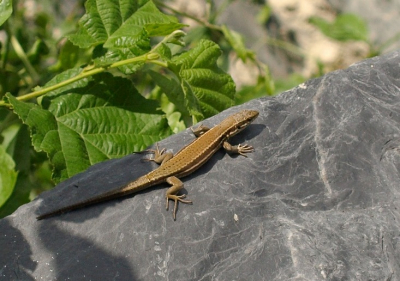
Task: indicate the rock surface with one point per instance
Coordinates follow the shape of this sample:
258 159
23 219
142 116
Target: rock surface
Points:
318 199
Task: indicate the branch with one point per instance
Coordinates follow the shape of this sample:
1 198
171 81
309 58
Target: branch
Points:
89 71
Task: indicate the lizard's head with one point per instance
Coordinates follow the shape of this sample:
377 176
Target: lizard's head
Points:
246 114
243 119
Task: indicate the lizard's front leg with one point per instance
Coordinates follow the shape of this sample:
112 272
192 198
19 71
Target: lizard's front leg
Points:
199 130
238 149
160 156
172 192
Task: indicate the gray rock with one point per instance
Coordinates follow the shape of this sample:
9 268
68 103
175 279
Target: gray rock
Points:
318 199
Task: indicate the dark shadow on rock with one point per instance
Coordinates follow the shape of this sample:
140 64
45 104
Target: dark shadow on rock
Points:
74 257
16 261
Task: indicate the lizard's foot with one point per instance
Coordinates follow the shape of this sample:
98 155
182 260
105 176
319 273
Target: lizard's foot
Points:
160 157
176 198
199 130
157 153
241 149
245 148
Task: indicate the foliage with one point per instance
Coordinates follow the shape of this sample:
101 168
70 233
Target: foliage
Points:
121 81
350 27
5 10
345 27
8 175
117 76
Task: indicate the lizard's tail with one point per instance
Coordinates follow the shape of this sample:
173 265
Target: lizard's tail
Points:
133 187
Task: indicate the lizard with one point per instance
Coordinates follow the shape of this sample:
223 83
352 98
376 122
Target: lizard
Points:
184 162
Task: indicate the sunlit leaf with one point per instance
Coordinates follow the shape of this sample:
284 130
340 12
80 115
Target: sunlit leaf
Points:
5 10
207 89
103 118
8 175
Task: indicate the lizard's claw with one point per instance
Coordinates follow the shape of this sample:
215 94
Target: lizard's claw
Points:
176 198
157 153
245 148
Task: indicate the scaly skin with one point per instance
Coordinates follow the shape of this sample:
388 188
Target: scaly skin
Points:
186 161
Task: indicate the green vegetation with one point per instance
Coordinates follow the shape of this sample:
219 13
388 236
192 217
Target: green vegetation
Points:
125 77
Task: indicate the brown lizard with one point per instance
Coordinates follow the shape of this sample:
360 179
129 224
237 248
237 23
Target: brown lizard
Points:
187 160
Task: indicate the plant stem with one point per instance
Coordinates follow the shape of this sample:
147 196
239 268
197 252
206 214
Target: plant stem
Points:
149 57
40 92
7 44
23 57
201 21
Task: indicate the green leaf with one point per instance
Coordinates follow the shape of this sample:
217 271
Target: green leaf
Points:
68 57
123 28
236 41
103 118
19 196
64 76
38 49
265 86
174 120
147 18
206 88
176 38
264 14
172 90
9 80
163 51
8 175
19 147
5 10
345 27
